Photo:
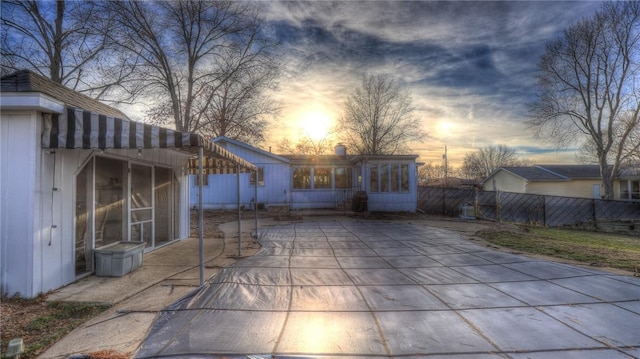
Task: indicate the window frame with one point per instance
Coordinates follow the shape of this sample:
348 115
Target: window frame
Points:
252 177
306 178
205 180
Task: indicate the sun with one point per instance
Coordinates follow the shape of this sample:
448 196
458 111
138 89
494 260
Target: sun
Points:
316 124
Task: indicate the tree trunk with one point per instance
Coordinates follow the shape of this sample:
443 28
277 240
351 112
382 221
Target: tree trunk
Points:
607 178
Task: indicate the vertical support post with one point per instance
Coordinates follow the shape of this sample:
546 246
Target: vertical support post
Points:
593 213
444 202
497 205
476 202
544 211
239 213
200 215
255 190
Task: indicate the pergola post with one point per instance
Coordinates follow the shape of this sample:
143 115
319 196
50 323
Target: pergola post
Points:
255 189
200 214
239 213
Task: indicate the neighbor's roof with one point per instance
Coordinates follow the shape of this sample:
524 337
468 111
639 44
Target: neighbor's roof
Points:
554 172
25 81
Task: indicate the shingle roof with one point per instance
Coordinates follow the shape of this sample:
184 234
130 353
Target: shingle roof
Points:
321 159
556 172
575 171
25 81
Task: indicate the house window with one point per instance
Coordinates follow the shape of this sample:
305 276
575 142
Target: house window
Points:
404 178
395 173
384 178
373 177
205 180
389 178
252 180
302 178
343 177
322 178
630 190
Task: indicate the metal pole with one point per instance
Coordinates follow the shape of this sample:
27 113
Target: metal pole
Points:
239 213
200 215
255 188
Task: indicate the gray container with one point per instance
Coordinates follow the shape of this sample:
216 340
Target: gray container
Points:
118 259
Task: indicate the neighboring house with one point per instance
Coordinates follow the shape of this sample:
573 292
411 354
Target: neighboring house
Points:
628 187
76 175
582 181
314 182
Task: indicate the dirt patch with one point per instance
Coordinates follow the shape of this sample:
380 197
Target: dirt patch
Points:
40 323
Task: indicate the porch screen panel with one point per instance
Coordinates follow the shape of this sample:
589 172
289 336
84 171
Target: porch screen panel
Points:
84 220
163 205
141 203
110 215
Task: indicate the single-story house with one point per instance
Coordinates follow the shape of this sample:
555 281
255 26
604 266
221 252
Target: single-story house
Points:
77 175
314 182
583 181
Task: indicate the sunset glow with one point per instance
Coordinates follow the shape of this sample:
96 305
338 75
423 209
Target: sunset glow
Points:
316 124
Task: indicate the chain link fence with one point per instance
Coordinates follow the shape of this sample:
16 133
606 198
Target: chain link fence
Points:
553 211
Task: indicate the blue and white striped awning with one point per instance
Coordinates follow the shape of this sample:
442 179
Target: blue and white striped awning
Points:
82 129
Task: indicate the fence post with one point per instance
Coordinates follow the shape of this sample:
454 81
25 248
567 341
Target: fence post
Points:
498 205
476 204
444 206
544 211
593 212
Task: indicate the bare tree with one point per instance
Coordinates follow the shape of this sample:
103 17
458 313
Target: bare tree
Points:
588 88
306 146
61 40
378 117
239 106
189 52
431 173
482 163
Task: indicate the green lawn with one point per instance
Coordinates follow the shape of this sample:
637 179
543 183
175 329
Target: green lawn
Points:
593 248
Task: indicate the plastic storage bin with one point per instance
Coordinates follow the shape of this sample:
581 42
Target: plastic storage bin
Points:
118 259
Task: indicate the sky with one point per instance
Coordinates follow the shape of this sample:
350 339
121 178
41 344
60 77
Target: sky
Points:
470 67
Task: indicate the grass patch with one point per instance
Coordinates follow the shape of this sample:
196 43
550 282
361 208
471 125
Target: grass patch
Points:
40 323
593 248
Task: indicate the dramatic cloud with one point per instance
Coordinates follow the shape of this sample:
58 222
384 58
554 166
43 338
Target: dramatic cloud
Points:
470 65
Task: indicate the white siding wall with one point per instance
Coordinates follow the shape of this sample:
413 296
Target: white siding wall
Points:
506 182
575 188
222 190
